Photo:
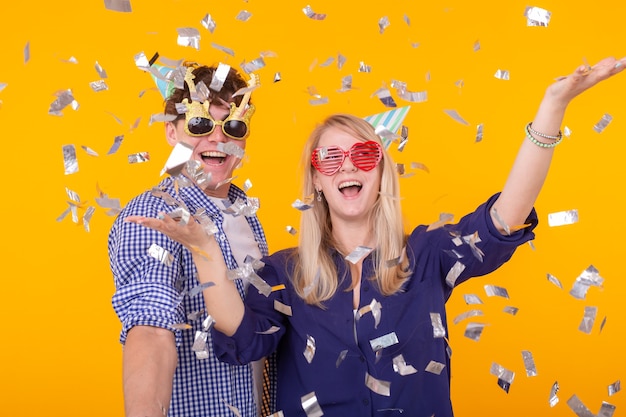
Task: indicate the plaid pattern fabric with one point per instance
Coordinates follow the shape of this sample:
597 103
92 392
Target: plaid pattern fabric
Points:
149 292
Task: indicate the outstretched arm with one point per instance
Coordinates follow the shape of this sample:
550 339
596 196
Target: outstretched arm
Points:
222 300
533 160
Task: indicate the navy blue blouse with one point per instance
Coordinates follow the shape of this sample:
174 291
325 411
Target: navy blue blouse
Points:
345 352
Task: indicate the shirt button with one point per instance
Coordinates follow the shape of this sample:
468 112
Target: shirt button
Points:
230 345
362 359
222 237
366 402
366 289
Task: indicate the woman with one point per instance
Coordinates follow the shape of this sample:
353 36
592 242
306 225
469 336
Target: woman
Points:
357 311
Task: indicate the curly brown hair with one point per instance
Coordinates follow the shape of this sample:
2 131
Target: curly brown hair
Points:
234 81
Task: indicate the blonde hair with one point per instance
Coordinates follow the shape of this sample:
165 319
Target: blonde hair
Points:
315 275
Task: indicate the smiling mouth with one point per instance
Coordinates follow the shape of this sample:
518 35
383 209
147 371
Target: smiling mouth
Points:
350 188
213 157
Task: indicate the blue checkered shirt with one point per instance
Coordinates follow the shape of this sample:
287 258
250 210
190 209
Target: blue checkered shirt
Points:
151 293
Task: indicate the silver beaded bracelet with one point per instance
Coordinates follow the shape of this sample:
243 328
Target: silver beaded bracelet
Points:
530 129
529 135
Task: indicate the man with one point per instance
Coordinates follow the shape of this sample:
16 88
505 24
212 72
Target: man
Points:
168 363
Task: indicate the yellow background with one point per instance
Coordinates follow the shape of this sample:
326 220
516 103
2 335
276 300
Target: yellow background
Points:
60 350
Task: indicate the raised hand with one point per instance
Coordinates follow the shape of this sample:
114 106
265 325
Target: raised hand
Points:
191 235
583 78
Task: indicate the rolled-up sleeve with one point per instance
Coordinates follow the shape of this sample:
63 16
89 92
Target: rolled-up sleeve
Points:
146 290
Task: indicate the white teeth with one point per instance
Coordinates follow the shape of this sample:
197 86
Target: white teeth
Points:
349 184
214 154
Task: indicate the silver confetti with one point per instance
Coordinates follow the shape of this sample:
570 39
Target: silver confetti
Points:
303 205
562 218
253 66
536 16
435 367
578 407
502 74
282 308
479 133
101 72
476 46
199 342
454 273
87 217
309 351
181 215
614 388
472 299
27 52
494 290
383 24
363 67
291 230
438 329
455 115
188 37
224 49
359 253
243 16
346 84
529 363
231 148
554 399
116 144
555 281
113 204
474 330
271 330
400 366
586 325
378 386
118 5
502 373
341 60
511 310
384 95
219 76
69 159
160 254
602 324
603 123
327 63
501 222
205 220
310 405
589 277
208 23
342 356
606 410
312 15
384 341
181 153
98 86
467 314
64 98
139 157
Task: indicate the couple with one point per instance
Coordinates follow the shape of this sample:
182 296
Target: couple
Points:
356 313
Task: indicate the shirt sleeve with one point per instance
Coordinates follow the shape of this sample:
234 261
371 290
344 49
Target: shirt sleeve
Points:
470 248
262 325
146 290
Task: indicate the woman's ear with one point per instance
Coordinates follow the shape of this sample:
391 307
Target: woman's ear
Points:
171 133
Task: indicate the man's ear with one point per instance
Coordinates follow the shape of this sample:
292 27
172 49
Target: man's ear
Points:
170 133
